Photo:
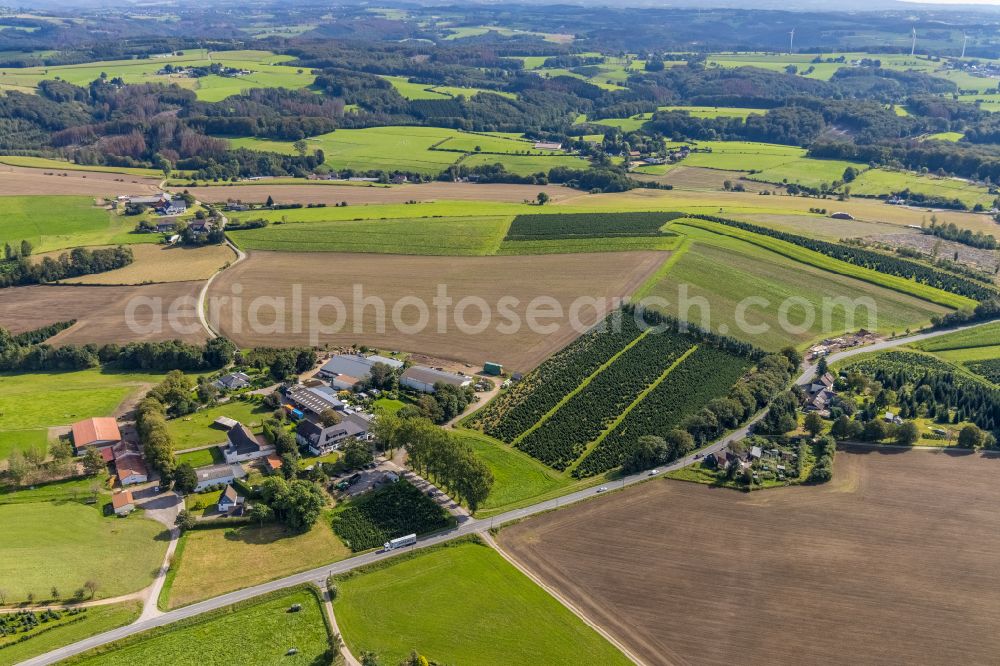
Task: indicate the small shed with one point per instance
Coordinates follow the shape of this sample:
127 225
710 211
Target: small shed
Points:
491 368
122 503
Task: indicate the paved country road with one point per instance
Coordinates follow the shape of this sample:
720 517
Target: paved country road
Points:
470 526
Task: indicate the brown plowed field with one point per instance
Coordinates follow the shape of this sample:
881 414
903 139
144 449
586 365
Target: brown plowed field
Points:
892 562
392 278
16 180
100 312
355 195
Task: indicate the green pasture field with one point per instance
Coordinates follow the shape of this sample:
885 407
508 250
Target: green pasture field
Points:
806 171
878 182
196 429
633 123
969 354
776 62
62 165
42 399
254 632
411 149
510 143
69 629
201 457
517 476
983 101
205 567
986 335
423 210
462 32
801 254
527 165
65 544
267 72
433 235
52 222
413 91
724 271
945 136
742 155
22 440
475 609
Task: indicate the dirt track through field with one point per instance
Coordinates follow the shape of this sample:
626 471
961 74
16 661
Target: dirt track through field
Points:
355 195
100 312
23 180
892 562
391 278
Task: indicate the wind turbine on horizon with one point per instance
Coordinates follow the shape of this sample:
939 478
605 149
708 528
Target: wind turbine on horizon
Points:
913 45
791 41
965 40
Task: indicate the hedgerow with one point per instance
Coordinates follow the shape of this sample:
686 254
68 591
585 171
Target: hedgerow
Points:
706 374
562 438
877 261
385 514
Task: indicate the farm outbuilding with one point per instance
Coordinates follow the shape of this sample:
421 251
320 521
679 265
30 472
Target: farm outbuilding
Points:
422 378
122 503
99 432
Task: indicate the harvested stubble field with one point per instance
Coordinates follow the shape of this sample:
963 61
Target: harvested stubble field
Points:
563 277
332 194
163 263
889 563
15 180
100 311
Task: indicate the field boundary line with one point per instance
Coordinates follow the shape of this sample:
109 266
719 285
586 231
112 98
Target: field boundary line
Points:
491 542
665 268
632 405
584 384
833 265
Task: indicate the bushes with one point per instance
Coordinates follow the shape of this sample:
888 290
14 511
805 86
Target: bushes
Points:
393 511
588 225
559 441
706 374
516 410
822 471
80 261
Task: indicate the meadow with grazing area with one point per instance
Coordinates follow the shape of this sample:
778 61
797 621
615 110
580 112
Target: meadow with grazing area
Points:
70 628
807 172
475 609
49 164
58 222
65 544
204 568
564 277
435 235
65 397
164 263
986 335
882 182
412 91
517 477
725 271
741 155
527 165
100 312
193 430
425 150
257 631
852 564
266 71
330 193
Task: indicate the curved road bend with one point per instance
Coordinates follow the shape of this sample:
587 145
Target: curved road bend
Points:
240 256
469 526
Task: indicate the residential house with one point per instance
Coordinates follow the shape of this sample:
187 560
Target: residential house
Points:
200 227
230 501
233 381
214 475
166 226
244 446
129 464
225 423
98 432
320 439
122 503
422 378
172 207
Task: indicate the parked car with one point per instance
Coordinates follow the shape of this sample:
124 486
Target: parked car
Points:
654 472
602 489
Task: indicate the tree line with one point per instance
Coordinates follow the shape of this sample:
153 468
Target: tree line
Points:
18 269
